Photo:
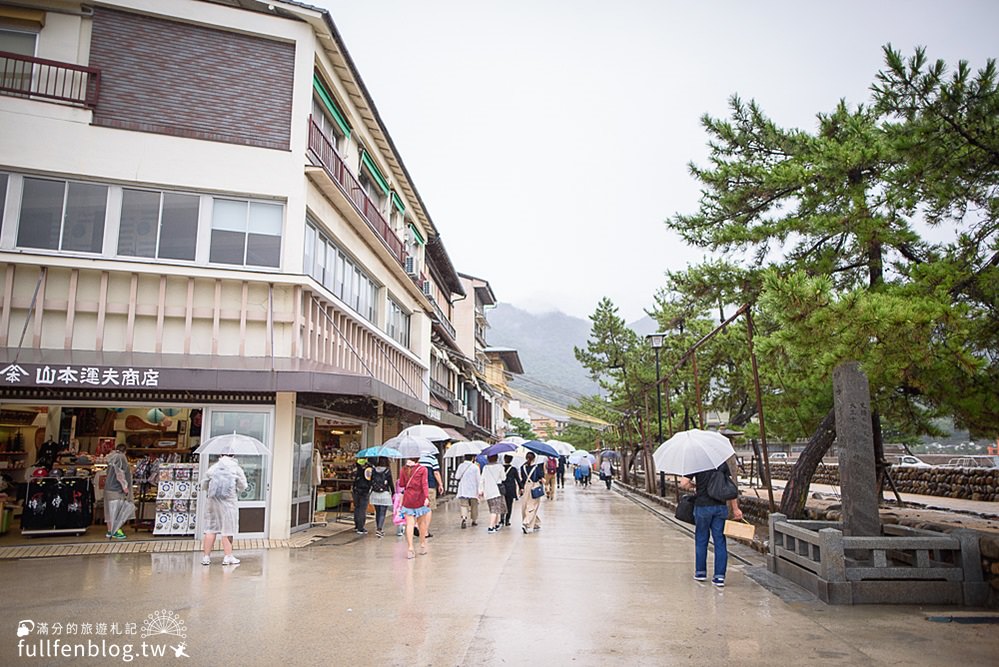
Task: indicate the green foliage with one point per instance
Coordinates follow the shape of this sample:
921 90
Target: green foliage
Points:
522 428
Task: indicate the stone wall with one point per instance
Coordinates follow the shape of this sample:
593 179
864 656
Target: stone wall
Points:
966 483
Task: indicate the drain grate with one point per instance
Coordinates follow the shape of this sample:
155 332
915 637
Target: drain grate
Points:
970 620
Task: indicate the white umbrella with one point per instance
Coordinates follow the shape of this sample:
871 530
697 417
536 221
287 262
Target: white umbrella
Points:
513 439
563 448
411 446
580 456
459 449
428 431
236 444
692 451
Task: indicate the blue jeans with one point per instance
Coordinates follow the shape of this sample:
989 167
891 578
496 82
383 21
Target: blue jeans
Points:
709 521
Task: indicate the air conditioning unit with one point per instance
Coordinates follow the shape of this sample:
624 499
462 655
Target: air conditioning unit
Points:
411 266
426 287
469 416
457 407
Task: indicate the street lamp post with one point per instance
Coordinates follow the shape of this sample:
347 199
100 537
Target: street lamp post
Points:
656 341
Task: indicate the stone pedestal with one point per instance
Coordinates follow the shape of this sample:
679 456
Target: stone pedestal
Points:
855 439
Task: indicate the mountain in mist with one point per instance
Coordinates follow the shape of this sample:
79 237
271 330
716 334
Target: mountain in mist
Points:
545 344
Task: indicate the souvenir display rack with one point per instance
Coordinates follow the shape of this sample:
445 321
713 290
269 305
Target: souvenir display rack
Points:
177 499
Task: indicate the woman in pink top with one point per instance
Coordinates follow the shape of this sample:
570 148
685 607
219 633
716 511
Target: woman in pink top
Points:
415 503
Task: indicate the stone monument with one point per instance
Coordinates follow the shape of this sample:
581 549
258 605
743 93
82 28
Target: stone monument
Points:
855 440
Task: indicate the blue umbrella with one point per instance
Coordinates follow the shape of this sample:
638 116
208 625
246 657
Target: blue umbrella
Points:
380 450
539 447
498 448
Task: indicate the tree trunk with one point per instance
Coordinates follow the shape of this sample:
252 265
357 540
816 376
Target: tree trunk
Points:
792 502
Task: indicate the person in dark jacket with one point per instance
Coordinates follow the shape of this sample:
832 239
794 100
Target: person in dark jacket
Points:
381 493
360 492
511 486
560 475
709 522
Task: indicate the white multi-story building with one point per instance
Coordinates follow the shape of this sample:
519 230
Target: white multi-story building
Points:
206 228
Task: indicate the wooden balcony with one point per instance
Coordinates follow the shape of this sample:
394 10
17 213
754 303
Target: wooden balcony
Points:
334 166
50 80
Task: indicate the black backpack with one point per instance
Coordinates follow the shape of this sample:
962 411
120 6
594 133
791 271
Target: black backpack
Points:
380 481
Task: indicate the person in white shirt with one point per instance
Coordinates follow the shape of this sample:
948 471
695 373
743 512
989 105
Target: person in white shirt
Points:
489 488
467 475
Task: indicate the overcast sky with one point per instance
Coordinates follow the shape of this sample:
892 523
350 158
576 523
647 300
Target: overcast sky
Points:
550 139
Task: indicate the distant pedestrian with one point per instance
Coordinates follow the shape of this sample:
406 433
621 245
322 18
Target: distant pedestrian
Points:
551 472
415 503
532 476
222 484
709 522
360 492
560 475
381 493
511 486
584 471
606 472
489 489
467 475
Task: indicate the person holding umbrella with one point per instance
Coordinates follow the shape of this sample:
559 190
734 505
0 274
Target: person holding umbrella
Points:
415 503
699 456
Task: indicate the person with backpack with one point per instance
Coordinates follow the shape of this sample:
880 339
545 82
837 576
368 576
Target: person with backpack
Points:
381 493
551 472
222 484
710 513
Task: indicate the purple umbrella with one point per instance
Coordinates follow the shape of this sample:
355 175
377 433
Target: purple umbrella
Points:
498 448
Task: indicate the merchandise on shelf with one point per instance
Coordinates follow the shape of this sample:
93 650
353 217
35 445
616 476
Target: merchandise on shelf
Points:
176 499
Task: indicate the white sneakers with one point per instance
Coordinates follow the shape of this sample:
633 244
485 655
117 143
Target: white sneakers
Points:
227 560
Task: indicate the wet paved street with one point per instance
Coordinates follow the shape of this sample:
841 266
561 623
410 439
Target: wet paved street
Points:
604 583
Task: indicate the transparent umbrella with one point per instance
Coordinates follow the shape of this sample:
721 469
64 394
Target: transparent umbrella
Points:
235 444
429 431
580 456
563 448
459 449
410 446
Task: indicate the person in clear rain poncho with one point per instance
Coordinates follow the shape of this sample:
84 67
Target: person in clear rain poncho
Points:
223 483
119 500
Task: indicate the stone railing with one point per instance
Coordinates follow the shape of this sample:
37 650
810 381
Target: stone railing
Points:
965 483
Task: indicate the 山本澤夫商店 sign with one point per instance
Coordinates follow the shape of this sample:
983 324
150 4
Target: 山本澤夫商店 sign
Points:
72 375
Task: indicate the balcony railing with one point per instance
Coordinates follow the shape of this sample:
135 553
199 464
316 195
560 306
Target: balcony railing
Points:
335 167
443 321
49 79
441 390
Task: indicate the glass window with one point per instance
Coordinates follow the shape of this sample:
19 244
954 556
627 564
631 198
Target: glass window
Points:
58 215
140 212
86 209
179 226
309 260
158 224
254 424
326 124
3 196
246 233
397 324
340 275
17 73
41 213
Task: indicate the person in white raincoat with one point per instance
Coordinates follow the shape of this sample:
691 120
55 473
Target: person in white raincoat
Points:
223 483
